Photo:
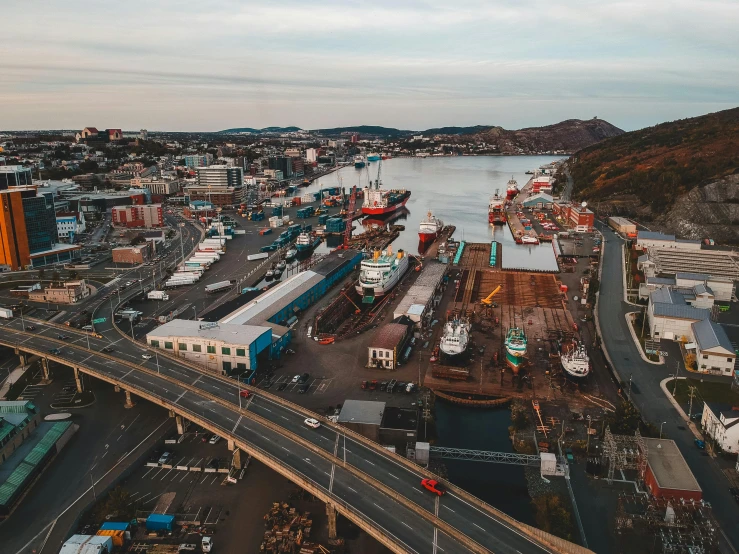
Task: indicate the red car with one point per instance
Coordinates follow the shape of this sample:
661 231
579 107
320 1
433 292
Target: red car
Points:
433 486
245 393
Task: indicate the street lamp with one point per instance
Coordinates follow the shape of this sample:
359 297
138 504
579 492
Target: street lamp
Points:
194 309
660 428
156 356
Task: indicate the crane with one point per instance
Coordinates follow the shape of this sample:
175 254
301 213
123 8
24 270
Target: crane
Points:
489 300
350 217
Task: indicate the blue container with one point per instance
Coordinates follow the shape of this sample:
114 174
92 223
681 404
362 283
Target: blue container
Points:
322 219
259 216
277 210
335 225
159 522
307 228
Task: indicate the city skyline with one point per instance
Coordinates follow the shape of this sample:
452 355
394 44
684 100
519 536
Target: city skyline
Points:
207 67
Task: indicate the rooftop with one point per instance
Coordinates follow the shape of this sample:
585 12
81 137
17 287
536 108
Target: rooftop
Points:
362 411
668 466
405 419
670 303
692 276
709 335
56 249
228 333
389 336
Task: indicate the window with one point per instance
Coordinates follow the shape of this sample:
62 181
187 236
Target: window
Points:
387 363
227 367
211 349
241 352
225 350
196 348
168 345
154 343
382 354
374 353
730 360
241 367
705 356
182 346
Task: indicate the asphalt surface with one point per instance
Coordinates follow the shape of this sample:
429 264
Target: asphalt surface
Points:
646 392
408 528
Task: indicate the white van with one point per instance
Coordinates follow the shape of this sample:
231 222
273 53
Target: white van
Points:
310 330
87 328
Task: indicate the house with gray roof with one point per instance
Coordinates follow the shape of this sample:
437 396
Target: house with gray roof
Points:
670 315
713 350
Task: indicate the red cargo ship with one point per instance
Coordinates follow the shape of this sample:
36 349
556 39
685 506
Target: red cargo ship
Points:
496 209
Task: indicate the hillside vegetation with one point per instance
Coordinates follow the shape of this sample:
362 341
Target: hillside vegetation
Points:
653 167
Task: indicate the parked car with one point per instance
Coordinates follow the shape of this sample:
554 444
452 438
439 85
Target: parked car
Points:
165 457
569 455
373 384
107 349
700 444
30 327
62 337
304 378
214 439
391 385
433 486
303 389
146 356
312 423
383 386
410 387
364 384
296 379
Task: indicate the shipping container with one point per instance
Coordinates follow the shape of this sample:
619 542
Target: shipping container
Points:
157 295
159 522
219 287
260 256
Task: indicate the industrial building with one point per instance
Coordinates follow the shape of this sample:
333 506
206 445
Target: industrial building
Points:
132 254
576 216
717 263
149 215
667 473
363 416
425 294
670 316
68 292
651 239
623 226
279 304
721 423
87 544
714 352
219 347
719 289
540 201
385 350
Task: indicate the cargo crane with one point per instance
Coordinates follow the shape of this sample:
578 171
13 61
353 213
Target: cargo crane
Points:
489 300
350 217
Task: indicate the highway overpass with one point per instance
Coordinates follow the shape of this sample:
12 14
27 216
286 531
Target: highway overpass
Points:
374 488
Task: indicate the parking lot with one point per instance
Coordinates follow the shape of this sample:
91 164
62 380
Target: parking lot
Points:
287 383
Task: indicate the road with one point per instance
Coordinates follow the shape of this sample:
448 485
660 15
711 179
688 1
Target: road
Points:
170 382
647 394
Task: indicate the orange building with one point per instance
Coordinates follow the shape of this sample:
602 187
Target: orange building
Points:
14 250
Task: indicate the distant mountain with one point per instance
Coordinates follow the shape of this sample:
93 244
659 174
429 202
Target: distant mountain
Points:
456 130
683 175
259 131
368 130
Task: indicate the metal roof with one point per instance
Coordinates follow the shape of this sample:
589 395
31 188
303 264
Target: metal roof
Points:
668 466
389 336
225 332
652 235
660 280
701 288
681 311
692 276
362 411
16 406
665 295
709 334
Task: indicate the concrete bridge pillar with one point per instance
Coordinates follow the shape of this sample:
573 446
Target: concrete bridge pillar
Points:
116 388
231 445
129 403
236 460
331 515
181 424
78 380
22 357
45 370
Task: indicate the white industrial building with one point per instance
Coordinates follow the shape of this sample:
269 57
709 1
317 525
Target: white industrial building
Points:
424 295
219 347
713 350
650 239
707 288
670 316
721 423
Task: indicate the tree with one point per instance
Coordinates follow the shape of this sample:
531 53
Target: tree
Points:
552 516
625 420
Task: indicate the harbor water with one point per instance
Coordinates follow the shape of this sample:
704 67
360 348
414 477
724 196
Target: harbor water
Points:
500 485
456 190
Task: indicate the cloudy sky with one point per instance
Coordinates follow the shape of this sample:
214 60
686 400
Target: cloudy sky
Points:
209 65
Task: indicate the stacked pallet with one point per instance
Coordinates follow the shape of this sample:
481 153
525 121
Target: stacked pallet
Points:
287 531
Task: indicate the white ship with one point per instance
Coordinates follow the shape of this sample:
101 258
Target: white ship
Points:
456 337
429 228
576 361
528 239
381 273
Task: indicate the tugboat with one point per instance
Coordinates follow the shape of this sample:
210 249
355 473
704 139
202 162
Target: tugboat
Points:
359 162
515 348
429 228
496 209
290 254
512 190
456 337
575 360
307 242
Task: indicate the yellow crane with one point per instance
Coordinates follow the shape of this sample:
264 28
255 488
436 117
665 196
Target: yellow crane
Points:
489 300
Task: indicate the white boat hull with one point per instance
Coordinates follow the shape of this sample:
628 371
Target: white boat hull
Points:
382 289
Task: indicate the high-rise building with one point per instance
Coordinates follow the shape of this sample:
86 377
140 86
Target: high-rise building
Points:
196 160
15 176
282 163
220 175
311 155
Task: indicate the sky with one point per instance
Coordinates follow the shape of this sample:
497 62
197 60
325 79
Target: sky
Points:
211 65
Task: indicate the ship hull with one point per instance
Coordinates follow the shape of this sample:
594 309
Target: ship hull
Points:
514 359
371 210
373 158
359 165
381 290
426 238
573 375
496 219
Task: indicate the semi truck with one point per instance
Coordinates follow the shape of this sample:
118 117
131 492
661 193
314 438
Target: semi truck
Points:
157 295
221 286
260 256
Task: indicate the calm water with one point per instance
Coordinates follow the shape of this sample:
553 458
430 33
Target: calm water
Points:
457 191
500 485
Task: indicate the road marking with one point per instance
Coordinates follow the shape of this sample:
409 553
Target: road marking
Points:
285 449
476 525
404 523
395 477
448 508
351 489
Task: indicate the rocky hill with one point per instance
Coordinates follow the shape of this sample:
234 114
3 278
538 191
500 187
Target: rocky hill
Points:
568 136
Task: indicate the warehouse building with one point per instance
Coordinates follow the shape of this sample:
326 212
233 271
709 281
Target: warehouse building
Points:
540 201
716 263
651 239
667 474
425 294
363 417
623 226
219 347
277 307
399 426
713 350
670 316
132 254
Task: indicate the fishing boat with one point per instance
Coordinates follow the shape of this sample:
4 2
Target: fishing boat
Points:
270 274
575 360
306 242
456 337
512 189
281 265
379 201
290 254
515 348
429 228
528 239
373 157
496 209
359 162
380 273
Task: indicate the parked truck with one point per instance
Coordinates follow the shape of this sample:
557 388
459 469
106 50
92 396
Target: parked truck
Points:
6 313
221 286
157 295
260 256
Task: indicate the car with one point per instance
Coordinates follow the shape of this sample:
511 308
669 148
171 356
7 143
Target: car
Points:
30 327
164 458
107 349
303 389
410 387
214 439
434 486
383 386
62 337
296 379
390 386
373 384
312 423
245 394
282 386
207 544
569 455
304 378
364 384
185 547
700 444
146 356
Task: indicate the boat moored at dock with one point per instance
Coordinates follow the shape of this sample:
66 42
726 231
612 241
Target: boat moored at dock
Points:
429 228
496 209
381 273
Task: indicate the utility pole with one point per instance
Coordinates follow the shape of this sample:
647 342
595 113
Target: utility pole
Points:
677 371
643 321
690 406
